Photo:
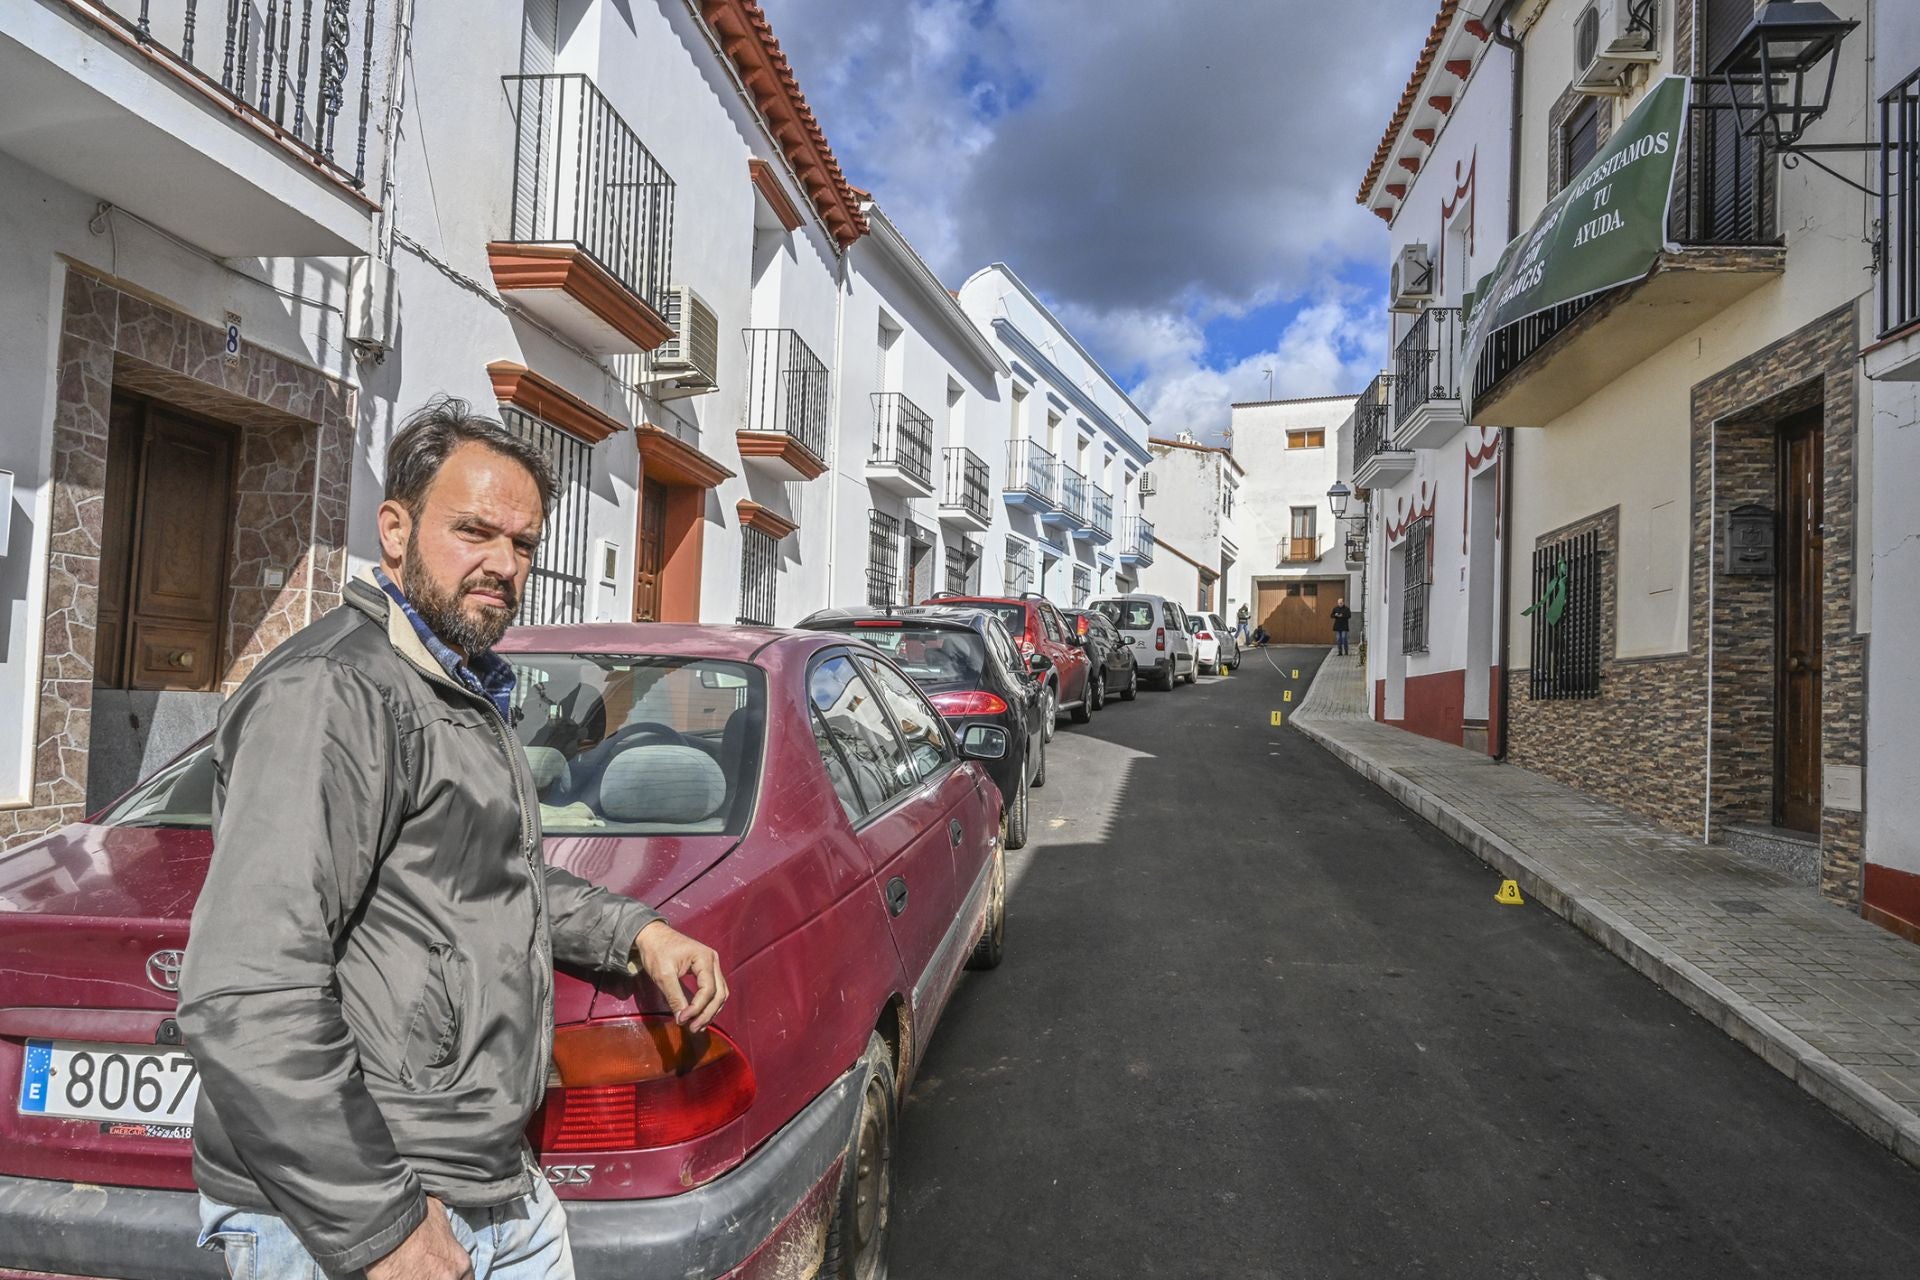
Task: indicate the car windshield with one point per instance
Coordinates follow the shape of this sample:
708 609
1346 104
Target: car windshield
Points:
1129 615
617 746
934 657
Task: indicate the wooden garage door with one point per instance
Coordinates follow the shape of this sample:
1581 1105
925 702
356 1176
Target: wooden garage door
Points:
1298 612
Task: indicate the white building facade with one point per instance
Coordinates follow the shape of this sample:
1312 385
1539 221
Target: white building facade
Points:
1439 177
1294 565
1067 521
1191 493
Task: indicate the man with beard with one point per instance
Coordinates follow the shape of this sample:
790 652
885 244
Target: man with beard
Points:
368 988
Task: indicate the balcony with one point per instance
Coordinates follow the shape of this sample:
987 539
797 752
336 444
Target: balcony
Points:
1097 528
963 496
1030 477
1377 458
1071 490
240 132
1426 380
592 230
788 409
1307 550
901 460
1723 246
1895 356
1136 542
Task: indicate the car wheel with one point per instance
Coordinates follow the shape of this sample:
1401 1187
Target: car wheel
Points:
1097 690
857 1236
1084 712
1017 811
993 938
1049 712
1193 672
1040 774
1132 690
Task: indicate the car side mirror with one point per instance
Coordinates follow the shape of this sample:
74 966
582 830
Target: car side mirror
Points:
983 742
1038 662
1129 641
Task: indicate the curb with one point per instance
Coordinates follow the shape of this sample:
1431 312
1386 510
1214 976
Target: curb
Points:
1853 1099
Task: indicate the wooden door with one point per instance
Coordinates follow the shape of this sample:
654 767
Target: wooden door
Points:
1797 760
650 557
1299 612
165 528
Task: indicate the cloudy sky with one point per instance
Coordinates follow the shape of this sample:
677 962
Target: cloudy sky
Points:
1175 177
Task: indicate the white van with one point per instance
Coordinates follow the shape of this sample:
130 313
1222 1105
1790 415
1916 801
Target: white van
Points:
1155 628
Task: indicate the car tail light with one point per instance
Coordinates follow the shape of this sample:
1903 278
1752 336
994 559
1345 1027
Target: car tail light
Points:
1080 625
630 1083
1159 637
968 702
878 622
1203 635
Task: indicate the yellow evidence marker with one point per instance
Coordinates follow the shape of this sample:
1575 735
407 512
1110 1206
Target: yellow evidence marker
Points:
1286 695
1509 895
1276 718
1296 673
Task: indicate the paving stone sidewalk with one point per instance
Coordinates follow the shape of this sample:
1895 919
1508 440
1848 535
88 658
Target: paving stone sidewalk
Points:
1827 998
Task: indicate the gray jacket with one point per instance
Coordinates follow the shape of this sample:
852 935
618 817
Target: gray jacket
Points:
368 987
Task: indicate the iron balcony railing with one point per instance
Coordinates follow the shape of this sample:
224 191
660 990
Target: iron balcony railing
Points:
1139 540
1300 550
1030 469
1073 493
1372 421
787 388
1900 206
582 177
300 67
902 436
1723 195
1426 364
1102 512
966 483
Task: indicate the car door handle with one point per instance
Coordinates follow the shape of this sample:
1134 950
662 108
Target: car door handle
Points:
896 896
954 833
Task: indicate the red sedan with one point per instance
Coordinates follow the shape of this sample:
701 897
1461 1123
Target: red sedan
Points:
788 799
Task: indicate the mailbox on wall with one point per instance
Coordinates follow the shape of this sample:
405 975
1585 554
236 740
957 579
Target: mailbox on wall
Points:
1747 540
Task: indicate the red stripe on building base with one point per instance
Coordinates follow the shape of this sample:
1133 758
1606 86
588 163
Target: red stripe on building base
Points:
1891 899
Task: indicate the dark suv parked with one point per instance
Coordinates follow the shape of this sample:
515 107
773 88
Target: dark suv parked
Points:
1052 649
1115 672
967 665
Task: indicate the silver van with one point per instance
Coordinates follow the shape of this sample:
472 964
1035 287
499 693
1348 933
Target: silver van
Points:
1155 628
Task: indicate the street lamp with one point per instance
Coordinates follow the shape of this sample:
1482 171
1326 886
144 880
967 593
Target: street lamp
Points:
1778 54
1338 496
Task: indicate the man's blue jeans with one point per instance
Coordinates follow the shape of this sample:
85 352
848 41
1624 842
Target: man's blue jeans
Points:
1340 638
523 1239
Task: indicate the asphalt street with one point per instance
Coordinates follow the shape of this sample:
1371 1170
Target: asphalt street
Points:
1257 1020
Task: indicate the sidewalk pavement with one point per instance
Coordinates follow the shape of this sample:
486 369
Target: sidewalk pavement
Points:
1825 997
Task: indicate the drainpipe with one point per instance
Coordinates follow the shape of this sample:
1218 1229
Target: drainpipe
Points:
1503 36
833 462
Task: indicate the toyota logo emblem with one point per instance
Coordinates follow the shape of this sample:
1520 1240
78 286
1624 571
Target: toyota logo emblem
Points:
163 969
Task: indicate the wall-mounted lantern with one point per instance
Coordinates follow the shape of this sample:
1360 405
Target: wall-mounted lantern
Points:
1774 75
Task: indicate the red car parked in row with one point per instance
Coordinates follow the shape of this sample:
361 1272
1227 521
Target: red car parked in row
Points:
787 797
1055 653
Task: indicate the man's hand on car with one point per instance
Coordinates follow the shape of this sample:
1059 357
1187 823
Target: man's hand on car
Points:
666 955
429 1253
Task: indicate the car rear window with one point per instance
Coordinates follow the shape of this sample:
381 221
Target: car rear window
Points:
1129 615
617 746
933 657
1012 616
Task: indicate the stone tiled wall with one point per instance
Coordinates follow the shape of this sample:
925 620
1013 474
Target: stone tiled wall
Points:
295 472
1643 743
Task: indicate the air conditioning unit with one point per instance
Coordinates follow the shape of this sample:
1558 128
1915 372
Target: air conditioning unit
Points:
688 363
372 306
1412 278
1610 37
1147 486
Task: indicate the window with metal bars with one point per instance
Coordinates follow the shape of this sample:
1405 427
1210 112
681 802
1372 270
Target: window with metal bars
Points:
1415 561
883 558
556 590
1082 586
759 576
1566 617
963 567
1018 566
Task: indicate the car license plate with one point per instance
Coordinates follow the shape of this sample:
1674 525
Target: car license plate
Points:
106 1082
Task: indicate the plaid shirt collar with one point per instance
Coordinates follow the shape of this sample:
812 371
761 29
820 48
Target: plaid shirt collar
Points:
486 673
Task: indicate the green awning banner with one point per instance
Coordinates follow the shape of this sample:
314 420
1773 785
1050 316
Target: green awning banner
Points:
1606 228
